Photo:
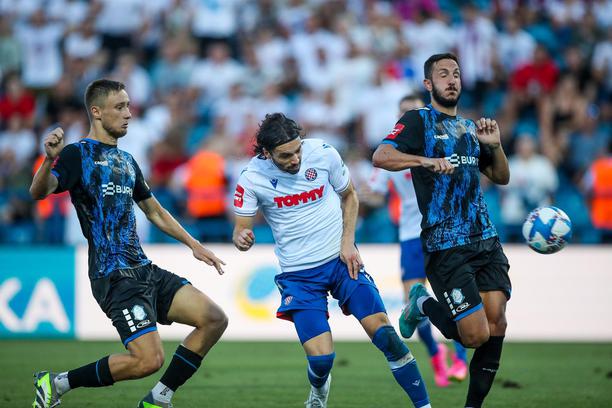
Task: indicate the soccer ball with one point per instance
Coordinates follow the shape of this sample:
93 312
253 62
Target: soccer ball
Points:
547 229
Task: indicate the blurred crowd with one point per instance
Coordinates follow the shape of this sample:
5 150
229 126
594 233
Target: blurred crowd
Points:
201 75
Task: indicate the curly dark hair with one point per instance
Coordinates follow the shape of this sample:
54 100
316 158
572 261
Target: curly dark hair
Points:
276 129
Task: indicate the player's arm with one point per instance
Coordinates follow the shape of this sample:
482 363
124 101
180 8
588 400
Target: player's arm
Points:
243 236
163 220
45 182
348 251
389 158
493 162
246 205
403 147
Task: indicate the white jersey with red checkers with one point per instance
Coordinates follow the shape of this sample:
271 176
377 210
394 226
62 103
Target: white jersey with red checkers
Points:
302 209
410 216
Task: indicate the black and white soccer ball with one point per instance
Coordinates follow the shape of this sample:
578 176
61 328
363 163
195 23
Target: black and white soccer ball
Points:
547 230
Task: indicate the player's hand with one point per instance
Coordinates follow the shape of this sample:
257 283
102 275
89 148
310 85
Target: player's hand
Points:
488 132
54 143
438 165
350 256
244 240
208 257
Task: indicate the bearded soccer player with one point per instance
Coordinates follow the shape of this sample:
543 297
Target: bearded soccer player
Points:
135 294
305 193
464 260
412 259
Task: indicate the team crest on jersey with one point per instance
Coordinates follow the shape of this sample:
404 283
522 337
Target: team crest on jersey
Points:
311 174
274 182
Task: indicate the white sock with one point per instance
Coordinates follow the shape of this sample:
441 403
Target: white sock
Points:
420 302
61 383
162 393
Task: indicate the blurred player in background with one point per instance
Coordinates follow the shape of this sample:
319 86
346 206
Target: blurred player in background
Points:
464 260
305 193
412 258
135 294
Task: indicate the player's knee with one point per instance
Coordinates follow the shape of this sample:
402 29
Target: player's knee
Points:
150 363
498 325
394 349
215 320
475 339
374 322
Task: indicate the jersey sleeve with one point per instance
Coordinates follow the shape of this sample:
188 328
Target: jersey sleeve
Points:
67 168
408 134
141 188
245 200
486 157
379 181
339 175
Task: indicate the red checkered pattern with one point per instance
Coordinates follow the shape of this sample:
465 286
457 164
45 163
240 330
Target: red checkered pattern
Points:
311 174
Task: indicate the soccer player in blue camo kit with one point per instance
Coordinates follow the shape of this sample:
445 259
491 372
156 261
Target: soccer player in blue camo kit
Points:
464 260
412 258
305 193
135 294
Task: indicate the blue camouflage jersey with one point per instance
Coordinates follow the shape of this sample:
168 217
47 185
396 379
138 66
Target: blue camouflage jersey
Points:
453 208
103 181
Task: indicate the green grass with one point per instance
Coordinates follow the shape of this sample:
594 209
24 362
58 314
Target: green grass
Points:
241 374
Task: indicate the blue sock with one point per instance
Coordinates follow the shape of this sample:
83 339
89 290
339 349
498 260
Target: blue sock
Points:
424 329
319 368
460 351
403 365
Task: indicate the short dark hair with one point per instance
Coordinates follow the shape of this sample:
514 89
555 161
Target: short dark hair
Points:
410 97
100 88
428 67
276 129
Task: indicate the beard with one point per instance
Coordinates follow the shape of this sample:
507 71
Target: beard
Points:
443 101
114 133
290 170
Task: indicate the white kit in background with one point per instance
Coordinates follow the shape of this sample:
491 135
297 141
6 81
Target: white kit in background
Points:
410 216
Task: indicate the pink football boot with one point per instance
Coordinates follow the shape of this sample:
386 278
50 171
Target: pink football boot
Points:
458 371
438 362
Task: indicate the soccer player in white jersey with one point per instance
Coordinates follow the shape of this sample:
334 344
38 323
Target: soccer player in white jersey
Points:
305 193
412 258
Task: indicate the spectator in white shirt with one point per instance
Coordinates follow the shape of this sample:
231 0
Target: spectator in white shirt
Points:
476 40
135 78
84 42
533 182
214 75
214 21
515 46
42 58
17 143
233 111
426 36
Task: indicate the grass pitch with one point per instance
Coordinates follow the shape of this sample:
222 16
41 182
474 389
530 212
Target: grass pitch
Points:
269 375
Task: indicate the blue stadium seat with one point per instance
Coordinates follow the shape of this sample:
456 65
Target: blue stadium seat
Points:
21 233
